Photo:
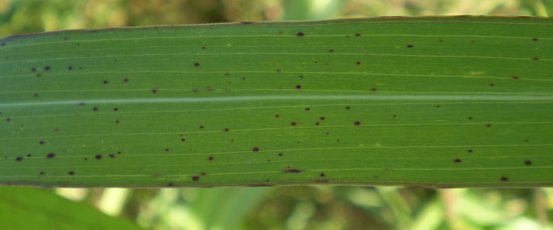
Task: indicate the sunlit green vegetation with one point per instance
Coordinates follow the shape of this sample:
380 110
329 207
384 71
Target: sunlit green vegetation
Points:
293 207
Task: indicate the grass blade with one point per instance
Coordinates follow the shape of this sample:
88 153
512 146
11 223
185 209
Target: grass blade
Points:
446 102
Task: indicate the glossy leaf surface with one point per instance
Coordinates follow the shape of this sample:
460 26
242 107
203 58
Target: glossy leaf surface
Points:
459 101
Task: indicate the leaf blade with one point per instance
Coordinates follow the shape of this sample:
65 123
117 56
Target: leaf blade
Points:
420 101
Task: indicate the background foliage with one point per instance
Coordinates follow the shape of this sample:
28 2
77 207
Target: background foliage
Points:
294 207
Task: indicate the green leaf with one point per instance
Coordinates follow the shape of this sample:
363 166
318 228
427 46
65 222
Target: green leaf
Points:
29 208
233 206
446 102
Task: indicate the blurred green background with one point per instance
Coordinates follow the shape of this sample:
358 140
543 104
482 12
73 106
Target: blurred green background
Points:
293 207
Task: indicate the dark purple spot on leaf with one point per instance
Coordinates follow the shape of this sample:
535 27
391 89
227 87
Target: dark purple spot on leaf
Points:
260 185
292 170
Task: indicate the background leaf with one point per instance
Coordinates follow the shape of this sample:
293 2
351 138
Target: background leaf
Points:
28 208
